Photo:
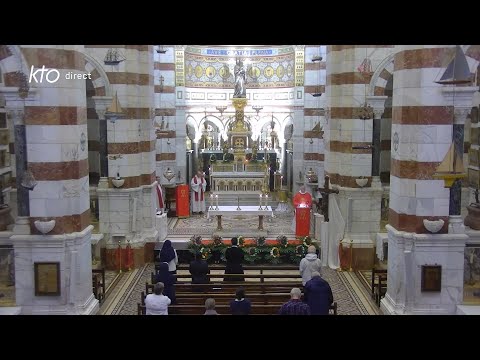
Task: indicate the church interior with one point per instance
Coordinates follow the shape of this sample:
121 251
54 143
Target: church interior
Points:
369 153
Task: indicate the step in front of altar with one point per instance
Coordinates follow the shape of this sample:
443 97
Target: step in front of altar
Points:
228 233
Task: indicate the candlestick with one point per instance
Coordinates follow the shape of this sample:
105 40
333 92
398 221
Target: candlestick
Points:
260 200
216 197
266 201
471 257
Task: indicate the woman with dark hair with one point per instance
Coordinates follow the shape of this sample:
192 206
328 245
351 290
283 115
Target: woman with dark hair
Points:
240 306
234 257
164 276
169 255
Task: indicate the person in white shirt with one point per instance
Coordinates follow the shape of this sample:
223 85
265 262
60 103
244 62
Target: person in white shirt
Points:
157 303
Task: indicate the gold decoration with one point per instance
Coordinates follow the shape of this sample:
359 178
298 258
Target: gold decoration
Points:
451 168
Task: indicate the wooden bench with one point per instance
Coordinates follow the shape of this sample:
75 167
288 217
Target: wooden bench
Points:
250 287
98 284
380 288
261 277
375 279
257 309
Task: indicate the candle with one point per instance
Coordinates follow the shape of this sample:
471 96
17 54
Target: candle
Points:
260 199
471 257
216 197
266 201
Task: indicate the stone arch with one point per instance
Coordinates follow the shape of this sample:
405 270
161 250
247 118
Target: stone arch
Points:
99 77
381 75
13 65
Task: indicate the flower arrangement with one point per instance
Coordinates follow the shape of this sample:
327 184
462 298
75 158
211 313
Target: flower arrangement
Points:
282 240
205 252
217 240
261 241
251 254
307 240
196 240
241 240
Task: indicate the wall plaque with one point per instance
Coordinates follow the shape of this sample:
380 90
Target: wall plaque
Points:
47 278
431 278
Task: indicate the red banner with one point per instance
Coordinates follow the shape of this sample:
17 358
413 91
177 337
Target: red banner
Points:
302 221
182 200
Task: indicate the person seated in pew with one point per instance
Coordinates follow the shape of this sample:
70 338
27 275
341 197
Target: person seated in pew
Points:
210 307
240 306
164 276
295 306
234 257
199 270
157 303
318 295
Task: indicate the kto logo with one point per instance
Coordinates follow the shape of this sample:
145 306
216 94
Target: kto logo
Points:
51 75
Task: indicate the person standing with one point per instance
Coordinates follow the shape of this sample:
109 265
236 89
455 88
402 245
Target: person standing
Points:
302 203
157 303
234 256
309 264
199 185
318 295
169 255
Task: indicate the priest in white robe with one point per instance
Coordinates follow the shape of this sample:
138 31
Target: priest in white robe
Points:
198 184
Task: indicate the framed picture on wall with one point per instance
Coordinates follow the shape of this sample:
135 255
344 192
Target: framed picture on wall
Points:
431 278
47 278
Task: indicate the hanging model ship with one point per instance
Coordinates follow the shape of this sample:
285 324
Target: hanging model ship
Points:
113 57
451 168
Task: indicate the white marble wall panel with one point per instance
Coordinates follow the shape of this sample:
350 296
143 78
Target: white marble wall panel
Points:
404 295
73 252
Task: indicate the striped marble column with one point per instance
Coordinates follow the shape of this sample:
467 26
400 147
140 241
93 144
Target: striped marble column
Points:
422 126
422 133
164 79
57 147
313 112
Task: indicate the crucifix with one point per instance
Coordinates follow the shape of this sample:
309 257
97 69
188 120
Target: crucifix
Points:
326 191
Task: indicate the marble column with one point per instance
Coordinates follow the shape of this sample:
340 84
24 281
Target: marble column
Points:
422 134
101 105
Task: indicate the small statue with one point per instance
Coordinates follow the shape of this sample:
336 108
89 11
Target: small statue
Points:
240 80
225 148
254 150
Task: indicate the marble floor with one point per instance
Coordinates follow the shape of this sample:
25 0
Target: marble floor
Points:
348 292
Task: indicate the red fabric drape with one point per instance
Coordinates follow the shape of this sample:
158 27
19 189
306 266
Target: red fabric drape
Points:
160 196
129 260
118 257
201 189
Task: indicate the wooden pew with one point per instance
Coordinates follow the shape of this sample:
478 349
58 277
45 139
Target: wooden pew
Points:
250 287
380 288
98 284
262 276
257 309
375 279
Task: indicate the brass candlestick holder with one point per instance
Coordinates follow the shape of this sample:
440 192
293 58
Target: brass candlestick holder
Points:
351 255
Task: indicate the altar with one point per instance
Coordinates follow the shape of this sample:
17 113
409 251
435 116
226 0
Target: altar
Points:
220 211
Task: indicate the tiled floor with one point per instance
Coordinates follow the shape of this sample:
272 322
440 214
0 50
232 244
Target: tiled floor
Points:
346 291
